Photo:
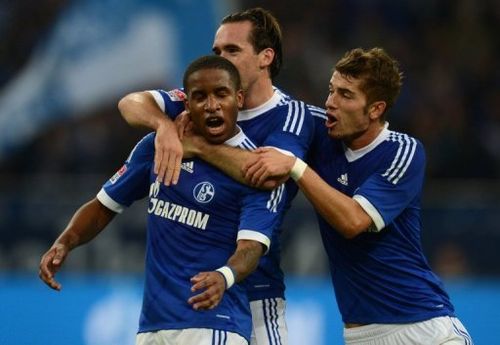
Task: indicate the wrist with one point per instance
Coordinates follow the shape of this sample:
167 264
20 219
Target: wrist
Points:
298 169
228 274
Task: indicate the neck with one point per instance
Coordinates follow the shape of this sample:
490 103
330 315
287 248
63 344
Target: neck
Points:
366 138
258 93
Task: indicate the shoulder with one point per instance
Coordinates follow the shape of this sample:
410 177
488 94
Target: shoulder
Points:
404 155
143 149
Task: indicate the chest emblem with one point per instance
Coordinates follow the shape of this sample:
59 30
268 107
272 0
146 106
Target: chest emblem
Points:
204 192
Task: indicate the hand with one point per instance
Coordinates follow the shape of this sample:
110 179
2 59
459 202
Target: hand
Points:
214 285
168 153
50 263
269 167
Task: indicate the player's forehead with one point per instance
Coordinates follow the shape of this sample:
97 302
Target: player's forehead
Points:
236 33
339 80
209 79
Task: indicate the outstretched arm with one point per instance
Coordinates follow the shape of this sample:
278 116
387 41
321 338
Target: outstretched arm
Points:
140 109
341 211
87 223
243 262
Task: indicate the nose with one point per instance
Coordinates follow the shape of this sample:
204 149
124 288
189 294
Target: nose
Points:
330 101
212 104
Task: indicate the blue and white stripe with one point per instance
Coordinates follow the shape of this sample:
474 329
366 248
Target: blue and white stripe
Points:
247 144
275 199
295 117
270 312
317 111
284 98
459 330
403 158
219 337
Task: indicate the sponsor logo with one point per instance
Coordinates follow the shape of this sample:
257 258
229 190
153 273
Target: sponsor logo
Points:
176 95
188 166
118 174
178 213
343 179
204 192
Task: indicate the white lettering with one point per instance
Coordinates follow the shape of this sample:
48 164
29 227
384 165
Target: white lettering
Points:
159 207
178 213
182 218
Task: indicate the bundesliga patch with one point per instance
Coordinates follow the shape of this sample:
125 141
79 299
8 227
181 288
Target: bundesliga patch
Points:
176 95
118 174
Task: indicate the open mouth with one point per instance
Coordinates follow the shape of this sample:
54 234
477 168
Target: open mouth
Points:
330 121
215 125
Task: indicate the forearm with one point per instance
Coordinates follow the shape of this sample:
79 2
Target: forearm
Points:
86 223
140 109
341 211
230 160
245 259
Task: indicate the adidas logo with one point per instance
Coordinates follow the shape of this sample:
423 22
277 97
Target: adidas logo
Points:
188 166
343 179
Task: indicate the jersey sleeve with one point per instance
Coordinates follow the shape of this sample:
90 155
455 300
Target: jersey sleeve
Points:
386 193
131 181
170 102
295 130
261 214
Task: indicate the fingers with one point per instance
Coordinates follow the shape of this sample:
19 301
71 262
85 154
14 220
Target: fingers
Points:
167 164
214 285
49 265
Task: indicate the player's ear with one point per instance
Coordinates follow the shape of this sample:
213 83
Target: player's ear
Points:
266 57
376 110
240 98
186 104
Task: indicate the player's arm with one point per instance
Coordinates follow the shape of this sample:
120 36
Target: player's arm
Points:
87 222
140 109
341 211
243 262
231 160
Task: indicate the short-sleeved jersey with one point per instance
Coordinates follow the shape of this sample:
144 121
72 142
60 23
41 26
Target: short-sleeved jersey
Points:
192 227
281 122
380 276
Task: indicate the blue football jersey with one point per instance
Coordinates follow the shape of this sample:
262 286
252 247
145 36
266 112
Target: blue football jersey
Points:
192 227
283 123
380 276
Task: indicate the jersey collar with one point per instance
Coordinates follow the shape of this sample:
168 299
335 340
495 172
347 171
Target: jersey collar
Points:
237 139
352 155
248 114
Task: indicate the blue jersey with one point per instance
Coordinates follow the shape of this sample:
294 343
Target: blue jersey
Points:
380 276
192 227
283 123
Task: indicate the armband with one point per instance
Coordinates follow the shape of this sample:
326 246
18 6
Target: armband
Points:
228 274
298 169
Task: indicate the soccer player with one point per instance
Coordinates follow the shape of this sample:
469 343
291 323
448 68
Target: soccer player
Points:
252 41
365 182
204 234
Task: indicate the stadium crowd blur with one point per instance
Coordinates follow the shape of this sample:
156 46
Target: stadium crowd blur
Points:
450 100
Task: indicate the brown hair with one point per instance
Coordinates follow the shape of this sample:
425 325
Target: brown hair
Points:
266 33
380 75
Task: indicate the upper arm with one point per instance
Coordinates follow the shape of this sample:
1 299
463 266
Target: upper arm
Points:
131 181
261 214
170 102
397 183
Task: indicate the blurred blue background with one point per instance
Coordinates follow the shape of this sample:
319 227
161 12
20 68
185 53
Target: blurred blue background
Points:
64 64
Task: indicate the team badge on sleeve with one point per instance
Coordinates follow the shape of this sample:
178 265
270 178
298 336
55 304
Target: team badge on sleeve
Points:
176 95
118 174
